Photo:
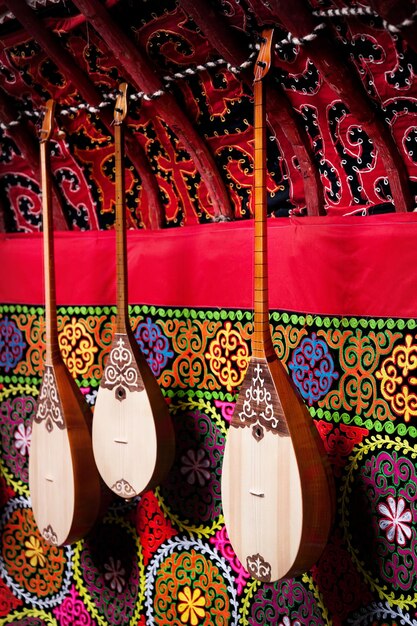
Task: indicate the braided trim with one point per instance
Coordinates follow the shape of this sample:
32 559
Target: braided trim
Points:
355 11
110 97
300 41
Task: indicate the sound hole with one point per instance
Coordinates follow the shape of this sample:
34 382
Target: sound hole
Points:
120 393
258 432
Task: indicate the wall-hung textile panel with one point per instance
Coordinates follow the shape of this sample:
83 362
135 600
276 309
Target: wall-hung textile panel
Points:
343 318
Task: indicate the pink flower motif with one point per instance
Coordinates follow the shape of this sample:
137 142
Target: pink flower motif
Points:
115 574
23 436
194 464
395 520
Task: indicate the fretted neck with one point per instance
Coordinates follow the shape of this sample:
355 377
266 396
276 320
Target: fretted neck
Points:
261 338
122 319
51 324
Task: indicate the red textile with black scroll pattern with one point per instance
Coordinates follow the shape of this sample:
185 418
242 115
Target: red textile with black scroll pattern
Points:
219 103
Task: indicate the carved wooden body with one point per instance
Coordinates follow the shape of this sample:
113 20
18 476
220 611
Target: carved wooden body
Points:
276 486
64 483
277 489
133 437
63 479
132 432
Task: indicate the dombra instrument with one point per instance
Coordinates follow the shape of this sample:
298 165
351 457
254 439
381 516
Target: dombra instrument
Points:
65 486
133 437
277 488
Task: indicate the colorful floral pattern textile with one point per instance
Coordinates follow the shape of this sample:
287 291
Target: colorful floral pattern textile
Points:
165 557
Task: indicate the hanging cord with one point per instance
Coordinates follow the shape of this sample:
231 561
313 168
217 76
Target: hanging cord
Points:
300 41
357 11
15 122
110 97
344 12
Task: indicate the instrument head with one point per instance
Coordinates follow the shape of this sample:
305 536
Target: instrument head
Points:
47 124
120 109
263 62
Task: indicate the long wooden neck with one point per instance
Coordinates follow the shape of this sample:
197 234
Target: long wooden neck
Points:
51 324
122 320
261 338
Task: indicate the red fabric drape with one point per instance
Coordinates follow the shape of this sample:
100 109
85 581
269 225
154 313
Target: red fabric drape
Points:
334 266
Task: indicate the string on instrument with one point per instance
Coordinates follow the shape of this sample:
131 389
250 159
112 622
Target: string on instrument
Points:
259 279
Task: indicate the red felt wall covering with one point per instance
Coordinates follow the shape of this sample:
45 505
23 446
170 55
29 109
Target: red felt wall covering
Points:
332 266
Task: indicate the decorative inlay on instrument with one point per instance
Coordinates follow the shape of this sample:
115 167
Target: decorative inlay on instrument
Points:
133 437
65 486
277 489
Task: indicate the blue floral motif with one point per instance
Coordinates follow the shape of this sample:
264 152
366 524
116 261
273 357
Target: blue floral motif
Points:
153 344
312 368
11 344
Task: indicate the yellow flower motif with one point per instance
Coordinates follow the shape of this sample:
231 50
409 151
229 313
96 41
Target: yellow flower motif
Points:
191 603
35 552
228 356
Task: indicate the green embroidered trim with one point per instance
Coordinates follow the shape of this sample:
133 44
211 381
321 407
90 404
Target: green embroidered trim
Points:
19 386
250 588
22 308
19 487
344 322
202 406
206 395
389 427
190 313
184 525
226 314
17 615
308 579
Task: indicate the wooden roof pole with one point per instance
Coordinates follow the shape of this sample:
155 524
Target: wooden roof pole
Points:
327 56
224 39
140 71
72 72
279 110
397 13
30 149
